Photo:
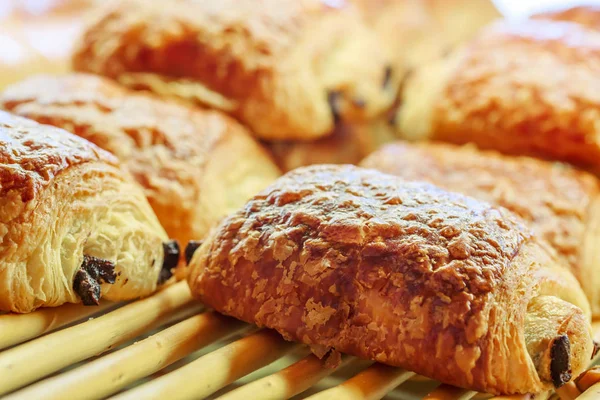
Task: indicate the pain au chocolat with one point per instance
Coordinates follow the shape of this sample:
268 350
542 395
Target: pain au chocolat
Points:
353 260
74 226
558 202
525 88
420 31
194 165
289 69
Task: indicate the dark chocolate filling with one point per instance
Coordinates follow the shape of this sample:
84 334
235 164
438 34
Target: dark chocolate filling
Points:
560 364
360 103
91 274
387 77
171 259
190 249
333 99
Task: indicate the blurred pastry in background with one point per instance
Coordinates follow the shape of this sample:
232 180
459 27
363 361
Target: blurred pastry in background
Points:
559 202
525 88
587 15
195 165
38 36
348 144
75 227
352 260
419 31
288 69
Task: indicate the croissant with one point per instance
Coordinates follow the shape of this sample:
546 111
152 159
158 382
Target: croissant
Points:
418 31
286 68
195 166
586 15
353 260
558 202
524 88
74 227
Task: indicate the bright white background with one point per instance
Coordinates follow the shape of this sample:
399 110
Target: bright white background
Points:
521 8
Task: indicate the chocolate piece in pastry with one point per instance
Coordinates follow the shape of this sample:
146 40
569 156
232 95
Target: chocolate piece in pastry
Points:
286 68
558 202
418 31
195 166
348 144
586 15
525 88
404 273
74 226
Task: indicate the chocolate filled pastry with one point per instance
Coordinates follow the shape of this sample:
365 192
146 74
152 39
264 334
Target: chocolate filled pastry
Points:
418 31
558 202
74 226
289 69
525 88
195 165
352 260
348 144
586 15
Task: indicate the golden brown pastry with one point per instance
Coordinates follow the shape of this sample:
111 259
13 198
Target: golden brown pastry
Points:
195 166
525 88
419 31
404 273
287 68
348 144
586 15
74 226
558 202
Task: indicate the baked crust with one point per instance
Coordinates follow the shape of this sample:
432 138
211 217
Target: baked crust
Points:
586 15
556 201
403 273
525 88
286 68
419 31
195 166
61 198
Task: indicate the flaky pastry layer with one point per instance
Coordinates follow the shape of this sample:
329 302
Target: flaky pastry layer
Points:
70 221
400 272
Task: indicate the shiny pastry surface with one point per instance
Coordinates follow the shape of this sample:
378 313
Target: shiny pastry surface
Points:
289 69
357 261
74 226
195 165
524 88
558 202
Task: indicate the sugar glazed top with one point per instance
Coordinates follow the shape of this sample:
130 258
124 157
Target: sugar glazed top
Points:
366 263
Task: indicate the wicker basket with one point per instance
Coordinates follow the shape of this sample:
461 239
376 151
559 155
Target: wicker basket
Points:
168 347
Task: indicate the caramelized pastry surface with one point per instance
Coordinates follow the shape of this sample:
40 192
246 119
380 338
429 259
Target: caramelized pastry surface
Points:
195 165
524 88
401 272
289 69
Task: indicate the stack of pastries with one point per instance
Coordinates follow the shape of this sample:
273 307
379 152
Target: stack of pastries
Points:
472 262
